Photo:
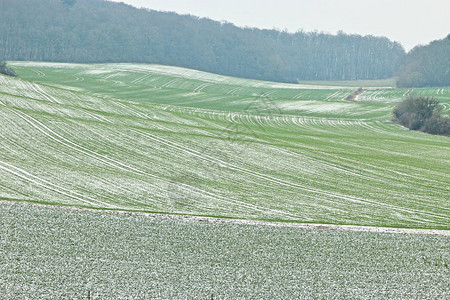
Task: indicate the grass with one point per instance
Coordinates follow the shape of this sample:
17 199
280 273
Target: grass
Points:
55 253
176 141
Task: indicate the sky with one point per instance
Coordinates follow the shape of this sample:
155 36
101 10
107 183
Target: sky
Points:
410 22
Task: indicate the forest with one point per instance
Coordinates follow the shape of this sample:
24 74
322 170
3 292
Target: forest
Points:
89 31
427 65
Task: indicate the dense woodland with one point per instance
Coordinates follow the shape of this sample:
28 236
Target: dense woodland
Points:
99 31
426 65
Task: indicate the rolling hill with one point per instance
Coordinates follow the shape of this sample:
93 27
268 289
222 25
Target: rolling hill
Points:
151 138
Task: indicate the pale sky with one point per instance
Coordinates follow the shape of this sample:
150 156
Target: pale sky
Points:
410 22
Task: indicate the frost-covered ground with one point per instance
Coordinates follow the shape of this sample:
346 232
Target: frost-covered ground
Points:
52 253
172 141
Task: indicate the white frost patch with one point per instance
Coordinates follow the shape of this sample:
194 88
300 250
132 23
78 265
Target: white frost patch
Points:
37 64
97 71
66 87
317 106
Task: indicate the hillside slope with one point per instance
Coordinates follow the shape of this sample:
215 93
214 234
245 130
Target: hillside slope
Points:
171 140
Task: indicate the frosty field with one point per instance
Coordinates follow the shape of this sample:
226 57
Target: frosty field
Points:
176 141
81 143
51 253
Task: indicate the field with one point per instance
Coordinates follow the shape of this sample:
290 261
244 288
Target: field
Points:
162 139
51 253
143 181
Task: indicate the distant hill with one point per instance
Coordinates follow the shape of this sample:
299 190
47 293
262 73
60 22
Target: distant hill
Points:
99 31
426 65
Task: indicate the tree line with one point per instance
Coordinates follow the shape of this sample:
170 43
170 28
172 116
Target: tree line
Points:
427 65
98 31
89 31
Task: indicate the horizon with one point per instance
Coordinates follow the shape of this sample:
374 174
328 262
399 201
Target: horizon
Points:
420 24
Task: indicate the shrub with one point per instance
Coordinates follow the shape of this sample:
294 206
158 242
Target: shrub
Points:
437 125
422 113
5 70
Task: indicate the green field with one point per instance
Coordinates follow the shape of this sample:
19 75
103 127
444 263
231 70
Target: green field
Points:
170 140
51 253
179 142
